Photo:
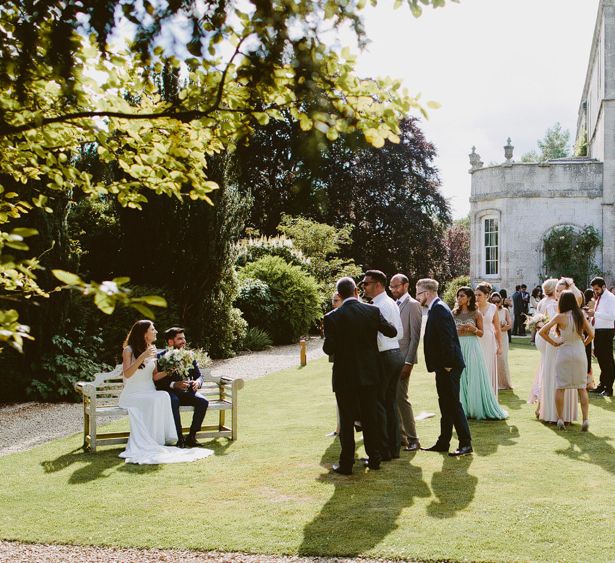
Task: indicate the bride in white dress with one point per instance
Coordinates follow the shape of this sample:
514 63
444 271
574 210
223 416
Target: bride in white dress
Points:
149 410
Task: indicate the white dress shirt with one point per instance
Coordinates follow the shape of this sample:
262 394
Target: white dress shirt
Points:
390 311
604 312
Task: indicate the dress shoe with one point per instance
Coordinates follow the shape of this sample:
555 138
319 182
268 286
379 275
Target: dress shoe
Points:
181 443
585 426
413 447
561 424
191 442
597 390
341 470
371 465
436 448
606 393
465 450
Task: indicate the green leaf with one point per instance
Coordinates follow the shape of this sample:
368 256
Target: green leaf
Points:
104 302
67 277
154 300
144 310
24 232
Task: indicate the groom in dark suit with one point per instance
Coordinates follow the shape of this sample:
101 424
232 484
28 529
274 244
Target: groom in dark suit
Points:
351 333
183 392
443 355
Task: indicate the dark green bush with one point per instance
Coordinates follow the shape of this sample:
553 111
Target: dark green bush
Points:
256 339
450 294
295 296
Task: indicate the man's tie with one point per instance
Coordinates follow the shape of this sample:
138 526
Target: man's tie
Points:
399 302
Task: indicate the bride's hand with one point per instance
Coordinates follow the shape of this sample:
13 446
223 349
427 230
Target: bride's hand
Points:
149 352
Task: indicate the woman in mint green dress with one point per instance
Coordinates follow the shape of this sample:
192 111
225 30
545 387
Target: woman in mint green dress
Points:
476 393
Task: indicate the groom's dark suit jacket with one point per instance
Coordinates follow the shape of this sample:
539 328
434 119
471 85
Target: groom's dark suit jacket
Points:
441 343
351 333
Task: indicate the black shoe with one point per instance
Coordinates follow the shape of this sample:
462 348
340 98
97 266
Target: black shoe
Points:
372 465
181 443
341 470
436 448
413 447
191 442
597 390
358 427
461 450
607 393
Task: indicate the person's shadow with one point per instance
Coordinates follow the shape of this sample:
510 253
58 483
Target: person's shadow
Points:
588 448
364 507
489 435
602 402
454 487
99 465
509 400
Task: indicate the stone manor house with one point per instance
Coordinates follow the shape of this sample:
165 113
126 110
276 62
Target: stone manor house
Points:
514 205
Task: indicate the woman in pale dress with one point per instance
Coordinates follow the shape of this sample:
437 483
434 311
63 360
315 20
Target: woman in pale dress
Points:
588 311
570 360
492 336
149 411
475 392
535 298
548 410
504 381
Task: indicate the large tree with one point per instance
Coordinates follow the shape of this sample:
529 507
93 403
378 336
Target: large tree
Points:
66 82
555 144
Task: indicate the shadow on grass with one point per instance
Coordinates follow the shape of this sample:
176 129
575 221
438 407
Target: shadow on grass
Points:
489 435
454 487
588 448
509 400
364 507
607 404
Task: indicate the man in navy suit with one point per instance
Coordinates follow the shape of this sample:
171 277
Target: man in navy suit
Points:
183 392
351 333
443 355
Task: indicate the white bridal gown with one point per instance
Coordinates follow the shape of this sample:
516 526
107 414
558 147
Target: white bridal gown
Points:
151 422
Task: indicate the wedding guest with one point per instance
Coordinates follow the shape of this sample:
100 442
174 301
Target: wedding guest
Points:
525 299
336 301
534 300
504 381
475 393
507 304
547 306
351 337
183 392
492 336
548 408
391 362
443 356
411 320
149 411
570 359
603 319
588 294
517 299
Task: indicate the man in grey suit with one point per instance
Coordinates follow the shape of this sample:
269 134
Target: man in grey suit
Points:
411 319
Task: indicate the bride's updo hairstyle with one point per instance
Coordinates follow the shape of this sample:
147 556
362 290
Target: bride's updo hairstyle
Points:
548 286
485 288
469 293
568 284
136 337
568 302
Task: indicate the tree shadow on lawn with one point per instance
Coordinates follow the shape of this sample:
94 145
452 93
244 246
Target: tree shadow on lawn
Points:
510 400
364 507
98 464
489 435
588 448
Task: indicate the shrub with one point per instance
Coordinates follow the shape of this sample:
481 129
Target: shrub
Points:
256 339
295 295
252 249
255 302
450 295
231 336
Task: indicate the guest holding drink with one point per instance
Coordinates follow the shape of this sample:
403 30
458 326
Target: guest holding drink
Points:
504 381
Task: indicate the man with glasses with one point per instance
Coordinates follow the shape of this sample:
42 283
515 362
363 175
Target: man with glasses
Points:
443 355
391 362
411 319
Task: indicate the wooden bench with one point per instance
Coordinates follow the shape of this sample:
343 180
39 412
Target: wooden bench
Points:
101 396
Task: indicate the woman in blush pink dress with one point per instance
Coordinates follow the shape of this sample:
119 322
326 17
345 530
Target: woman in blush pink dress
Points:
492 335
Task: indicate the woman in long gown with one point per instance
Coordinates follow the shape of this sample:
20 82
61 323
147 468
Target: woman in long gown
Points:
570 360
504 381
491 339
548 410
149 410
475 393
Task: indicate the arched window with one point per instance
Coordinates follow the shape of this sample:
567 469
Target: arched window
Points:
491 246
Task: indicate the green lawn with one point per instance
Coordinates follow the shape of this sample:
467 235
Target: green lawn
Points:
528 493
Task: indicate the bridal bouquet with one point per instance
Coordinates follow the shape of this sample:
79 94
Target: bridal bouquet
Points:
536 321
178 360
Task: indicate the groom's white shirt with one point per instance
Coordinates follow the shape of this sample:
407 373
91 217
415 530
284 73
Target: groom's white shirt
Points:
390 311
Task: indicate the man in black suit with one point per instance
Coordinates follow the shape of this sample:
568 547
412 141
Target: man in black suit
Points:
183 392
517 299
351 333
443 355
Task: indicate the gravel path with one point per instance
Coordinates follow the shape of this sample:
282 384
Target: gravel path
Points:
18 552
26 425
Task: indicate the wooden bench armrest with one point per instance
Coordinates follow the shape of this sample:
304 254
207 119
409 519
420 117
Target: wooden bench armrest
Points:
85 388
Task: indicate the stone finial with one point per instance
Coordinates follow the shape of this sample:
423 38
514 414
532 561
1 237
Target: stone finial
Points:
475 161
508 151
